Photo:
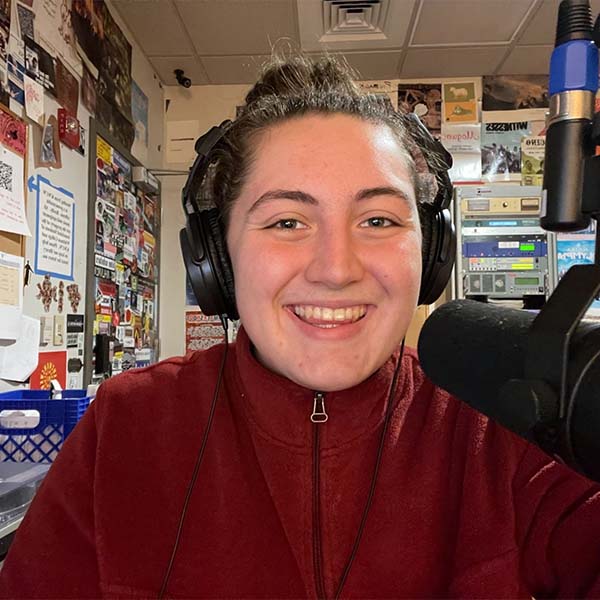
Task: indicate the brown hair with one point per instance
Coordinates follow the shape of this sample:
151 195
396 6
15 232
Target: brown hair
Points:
292 88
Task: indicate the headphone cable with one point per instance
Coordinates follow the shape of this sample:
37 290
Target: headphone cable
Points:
363 521
194 477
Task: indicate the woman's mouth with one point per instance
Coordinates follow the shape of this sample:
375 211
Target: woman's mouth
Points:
327 317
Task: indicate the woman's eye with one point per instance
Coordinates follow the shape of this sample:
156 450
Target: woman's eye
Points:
378 222
287 224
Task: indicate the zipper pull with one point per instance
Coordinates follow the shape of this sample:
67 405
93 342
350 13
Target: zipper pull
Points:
319 415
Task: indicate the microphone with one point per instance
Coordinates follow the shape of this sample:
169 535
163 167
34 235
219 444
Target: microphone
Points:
572 86
473 350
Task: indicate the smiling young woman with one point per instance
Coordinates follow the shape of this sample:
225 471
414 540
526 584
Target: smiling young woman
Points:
333 468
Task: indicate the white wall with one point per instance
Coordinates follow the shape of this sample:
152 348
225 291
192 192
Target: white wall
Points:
209 105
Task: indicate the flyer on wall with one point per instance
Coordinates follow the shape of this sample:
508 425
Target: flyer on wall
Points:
464 144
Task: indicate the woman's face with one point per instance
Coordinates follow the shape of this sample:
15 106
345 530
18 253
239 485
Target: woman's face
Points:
325 245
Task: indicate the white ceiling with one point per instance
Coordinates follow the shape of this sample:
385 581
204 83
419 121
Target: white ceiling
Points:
225 41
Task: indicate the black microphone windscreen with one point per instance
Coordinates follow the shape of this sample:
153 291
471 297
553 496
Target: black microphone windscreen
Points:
471 349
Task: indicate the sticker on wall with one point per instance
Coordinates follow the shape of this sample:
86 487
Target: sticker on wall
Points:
75 326
201 331
46 293
51 365
74 296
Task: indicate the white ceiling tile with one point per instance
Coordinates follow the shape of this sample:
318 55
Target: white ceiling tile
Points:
527 60
155 25
451 62
542 27
468 21
392 35
374 65
235 27
165 65
224 70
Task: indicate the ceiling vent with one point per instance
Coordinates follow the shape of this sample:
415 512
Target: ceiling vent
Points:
355 25
346 20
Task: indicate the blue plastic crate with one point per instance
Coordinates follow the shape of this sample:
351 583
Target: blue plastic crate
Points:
57 418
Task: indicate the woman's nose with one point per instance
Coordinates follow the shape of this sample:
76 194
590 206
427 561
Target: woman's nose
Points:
335 260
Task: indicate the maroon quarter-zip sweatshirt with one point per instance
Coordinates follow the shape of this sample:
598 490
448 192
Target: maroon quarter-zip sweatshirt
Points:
462 508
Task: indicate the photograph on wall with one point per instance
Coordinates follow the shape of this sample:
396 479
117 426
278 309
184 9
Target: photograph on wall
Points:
515 92
425 100
532 160
460 102
39 65
16 69
26 21
501 150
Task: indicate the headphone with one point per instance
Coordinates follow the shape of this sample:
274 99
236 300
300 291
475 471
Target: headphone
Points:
205 252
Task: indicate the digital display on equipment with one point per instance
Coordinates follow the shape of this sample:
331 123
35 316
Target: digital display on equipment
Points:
526 280
527 247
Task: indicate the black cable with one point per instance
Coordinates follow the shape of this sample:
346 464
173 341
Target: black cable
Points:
192 482
363 521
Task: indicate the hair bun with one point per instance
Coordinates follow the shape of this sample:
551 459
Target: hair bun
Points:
299 76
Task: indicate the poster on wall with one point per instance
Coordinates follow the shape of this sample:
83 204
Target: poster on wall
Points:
107 54
501 148
464 144
577 249
533 149
55 235
383 89
139 113
425 100
51 365
53 30
460 102
514 92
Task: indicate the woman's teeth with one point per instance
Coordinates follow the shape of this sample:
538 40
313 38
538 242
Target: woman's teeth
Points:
322 316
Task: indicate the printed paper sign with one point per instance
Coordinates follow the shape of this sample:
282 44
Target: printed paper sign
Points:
12 196
55 230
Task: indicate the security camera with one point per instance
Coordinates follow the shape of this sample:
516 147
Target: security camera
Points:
186 82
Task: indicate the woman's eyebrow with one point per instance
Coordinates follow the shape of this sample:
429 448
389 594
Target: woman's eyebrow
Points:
306 198
296 195
383 191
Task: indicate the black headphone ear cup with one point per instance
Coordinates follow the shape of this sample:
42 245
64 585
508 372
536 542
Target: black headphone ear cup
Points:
217 248
438 251
207 264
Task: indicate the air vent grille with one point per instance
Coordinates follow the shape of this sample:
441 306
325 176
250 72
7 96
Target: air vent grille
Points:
354 17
